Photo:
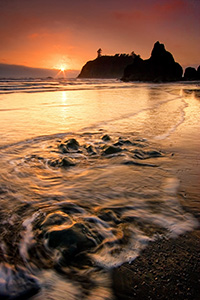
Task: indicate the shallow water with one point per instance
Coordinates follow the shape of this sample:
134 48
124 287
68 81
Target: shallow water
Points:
90 173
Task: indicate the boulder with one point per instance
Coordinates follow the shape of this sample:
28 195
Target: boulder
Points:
111 150
190 74
72 240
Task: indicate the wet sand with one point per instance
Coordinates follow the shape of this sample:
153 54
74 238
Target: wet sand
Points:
169 268
166 269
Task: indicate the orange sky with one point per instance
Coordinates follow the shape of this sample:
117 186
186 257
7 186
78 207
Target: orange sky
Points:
50 33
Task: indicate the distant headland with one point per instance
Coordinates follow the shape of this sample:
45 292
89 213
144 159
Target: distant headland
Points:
160 67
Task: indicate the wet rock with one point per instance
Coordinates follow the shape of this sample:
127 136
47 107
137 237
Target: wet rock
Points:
63 163
72 144
57 218
136 163
122 142
140 154
62 147
109 215
91 150
111 150
16 284
72 241
106 138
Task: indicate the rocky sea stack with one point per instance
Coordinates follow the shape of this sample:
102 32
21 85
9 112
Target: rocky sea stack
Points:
160 67
192 74
106 66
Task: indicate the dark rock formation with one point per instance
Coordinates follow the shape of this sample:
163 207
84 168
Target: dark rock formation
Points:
62 163
70 145
111 150
160 67
106 138
192 73
16 283
72 241
106 66
198 72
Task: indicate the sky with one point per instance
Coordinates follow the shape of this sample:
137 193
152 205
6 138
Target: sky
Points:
55 33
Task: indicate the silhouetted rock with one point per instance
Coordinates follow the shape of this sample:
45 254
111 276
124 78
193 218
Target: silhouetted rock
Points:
106 67
190 74
160 67
198 72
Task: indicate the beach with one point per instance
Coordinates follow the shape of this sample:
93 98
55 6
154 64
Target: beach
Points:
99 189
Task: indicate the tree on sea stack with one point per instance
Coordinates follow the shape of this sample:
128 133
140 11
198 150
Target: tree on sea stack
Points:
99 51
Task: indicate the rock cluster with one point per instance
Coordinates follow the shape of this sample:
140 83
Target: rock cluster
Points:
160 67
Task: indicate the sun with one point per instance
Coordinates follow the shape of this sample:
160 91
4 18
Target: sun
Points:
62 68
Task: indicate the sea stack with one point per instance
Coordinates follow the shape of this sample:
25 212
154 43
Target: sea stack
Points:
160 67
105 66
192 74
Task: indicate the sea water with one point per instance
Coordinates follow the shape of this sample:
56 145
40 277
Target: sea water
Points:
91 172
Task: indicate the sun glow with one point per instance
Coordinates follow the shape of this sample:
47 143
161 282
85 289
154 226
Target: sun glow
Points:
62 68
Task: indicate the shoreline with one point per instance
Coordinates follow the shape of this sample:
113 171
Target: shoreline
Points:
168 268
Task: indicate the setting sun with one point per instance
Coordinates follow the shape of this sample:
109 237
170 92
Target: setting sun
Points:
62 68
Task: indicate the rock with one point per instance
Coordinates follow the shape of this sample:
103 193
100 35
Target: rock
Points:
62 147
122 142
140 154
190 74
109 215
198 72
91 150
106 138
112 150
16 283
73 240
136 163
160 67
70 145
63 162
57 218
106 66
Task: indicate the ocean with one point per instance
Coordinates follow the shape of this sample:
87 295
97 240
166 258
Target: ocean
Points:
91 172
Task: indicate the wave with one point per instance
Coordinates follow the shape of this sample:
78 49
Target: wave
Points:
31 85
